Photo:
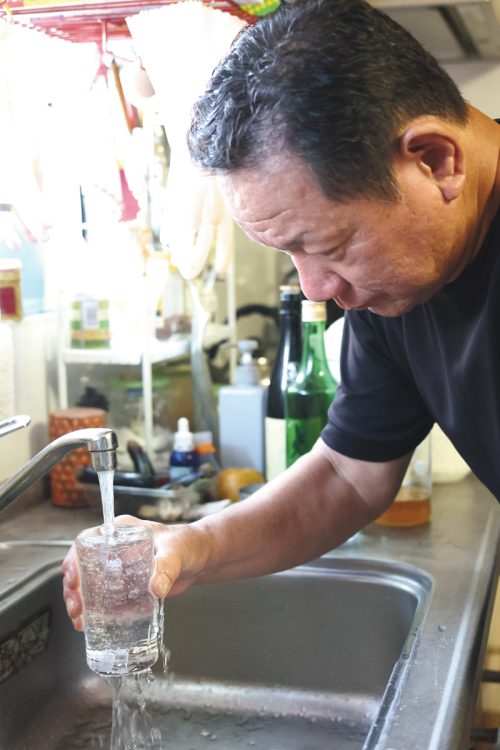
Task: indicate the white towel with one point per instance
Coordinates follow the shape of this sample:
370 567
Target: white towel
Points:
7 405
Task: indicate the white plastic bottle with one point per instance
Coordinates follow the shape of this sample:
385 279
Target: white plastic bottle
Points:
242 411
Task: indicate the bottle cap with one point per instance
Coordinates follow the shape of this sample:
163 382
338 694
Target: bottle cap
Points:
290 297
203 441
289 290
183 438
313 312
205 448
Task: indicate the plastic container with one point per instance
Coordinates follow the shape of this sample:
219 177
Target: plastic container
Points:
127 402
171 395
242 411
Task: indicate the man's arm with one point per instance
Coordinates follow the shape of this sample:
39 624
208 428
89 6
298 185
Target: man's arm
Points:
314 506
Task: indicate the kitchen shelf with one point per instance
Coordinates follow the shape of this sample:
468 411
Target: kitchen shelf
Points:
173 348
158 351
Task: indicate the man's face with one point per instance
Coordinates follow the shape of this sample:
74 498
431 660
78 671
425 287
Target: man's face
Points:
365 254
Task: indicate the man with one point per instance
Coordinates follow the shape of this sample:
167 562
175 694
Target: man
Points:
337 139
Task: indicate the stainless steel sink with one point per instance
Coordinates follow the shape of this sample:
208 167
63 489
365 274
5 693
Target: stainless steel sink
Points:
308 659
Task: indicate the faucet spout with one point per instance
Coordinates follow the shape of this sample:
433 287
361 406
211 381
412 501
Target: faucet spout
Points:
100 441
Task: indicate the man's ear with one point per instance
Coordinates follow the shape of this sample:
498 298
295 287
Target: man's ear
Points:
438 153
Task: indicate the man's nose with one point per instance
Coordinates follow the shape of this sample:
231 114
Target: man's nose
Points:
321 286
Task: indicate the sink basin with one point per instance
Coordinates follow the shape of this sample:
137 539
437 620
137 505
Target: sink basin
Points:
307 659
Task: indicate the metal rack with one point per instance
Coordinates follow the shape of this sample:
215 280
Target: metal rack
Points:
93 20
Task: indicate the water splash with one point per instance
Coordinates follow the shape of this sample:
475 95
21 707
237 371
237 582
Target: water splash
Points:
132 725
165 653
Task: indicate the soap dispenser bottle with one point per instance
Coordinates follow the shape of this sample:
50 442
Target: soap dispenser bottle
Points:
184 457
242 411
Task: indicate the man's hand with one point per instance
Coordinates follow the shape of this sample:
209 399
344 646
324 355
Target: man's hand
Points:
180 553
71 589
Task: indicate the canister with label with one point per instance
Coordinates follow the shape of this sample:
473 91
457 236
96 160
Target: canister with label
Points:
90 327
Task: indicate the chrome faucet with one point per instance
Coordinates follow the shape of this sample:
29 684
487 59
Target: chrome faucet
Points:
100 441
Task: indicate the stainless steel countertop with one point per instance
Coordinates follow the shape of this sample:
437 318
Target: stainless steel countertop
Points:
458 549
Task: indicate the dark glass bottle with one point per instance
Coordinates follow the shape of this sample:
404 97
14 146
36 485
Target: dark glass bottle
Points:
311 392
285 363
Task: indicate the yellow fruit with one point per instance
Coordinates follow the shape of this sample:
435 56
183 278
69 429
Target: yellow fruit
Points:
229 481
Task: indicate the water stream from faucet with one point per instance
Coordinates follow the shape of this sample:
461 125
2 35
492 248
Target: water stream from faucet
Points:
106 477
132 725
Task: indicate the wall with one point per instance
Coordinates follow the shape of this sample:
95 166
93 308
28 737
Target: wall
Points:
35 388
479 83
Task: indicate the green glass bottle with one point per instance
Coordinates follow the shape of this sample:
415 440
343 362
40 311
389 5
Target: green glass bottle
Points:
311 392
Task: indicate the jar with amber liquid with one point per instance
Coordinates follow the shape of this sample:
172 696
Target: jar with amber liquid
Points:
412 505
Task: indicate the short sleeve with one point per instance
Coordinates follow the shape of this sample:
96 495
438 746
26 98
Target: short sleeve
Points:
378 413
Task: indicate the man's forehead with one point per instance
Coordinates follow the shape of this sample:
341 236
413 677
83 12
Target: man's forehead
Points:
264 195
286 219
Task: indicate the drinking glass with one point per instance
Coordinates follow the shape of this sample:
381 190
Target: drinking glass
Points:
121 616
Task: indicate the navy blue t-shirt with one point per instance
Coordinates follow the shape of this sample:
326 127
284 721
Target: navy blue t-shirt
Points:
438 363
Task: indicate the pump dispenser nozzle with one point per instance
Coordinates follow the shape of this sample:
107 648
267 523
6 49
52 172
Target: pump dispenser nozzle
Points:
247 372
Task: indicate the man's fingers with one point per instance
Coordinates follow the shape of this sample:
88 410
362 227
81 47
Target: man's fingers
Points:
169 576
78 623
71 589
70 568
167 565
160 584
71 576
73 604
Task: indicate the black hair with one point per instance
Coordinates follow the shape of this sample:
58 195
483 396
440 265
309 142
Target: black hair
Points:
330 81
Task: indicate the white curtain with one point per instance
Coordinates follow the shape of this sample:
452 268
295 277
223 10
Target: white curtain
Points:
179 46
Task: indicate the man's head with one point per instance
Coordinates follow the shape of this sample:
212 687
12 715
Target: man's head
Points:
339 140
329 81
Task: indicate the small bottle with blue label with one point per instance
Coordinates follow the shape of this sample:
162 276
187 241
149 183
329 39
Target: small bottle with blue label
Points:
184 458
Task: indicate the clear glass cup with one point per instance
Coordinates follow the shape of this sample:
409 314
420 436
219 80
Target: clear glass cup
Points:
121 616
412 505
